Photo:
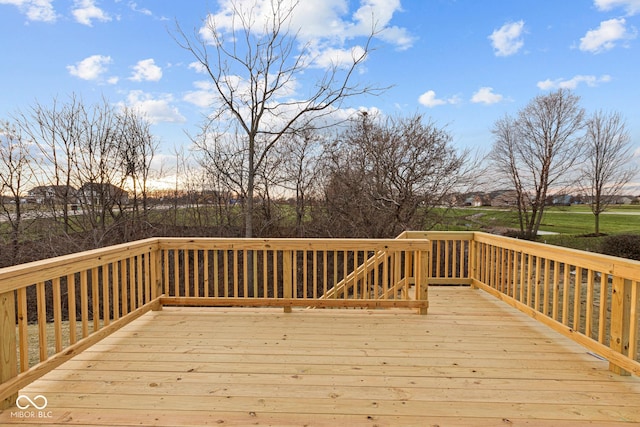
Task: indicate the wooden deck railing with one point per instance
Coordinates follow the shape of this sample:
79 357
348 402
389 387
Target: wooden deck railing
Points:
51 310
292 272
593 299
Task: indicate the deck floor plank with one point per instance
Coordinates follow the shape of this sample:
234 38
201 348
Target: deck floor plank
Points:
472 360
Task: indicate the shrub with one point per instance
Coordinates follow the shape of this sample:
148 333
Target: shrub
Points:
622 245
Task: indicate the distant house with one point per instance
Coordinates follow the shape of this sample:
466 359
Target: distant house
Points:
504 198
624 200
562 200
93 193
52 194
477 200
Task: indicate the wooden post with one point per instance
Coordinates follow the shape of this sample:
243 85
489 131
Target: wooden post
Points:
8 355
287 277
620 320
156 275
422 279
473 263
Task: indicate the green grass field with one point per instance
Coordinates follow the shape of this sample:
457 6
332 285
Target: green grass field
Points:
569 225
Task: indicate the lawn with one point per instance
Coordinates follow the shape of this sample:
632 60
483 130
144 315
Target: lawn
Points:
569 224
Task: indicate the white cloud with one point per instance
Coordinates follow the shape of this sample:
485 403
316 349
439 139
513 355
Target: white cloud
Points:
36 10
606 35
631 6
90 68
204 95
573 83
485 95
146 70
340 58
324 25
85 11
156 110
507 40
198 67
429 99
142 10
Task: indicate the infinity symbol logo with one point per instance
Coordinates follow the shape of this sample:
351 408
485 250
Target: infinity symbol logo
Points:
22 398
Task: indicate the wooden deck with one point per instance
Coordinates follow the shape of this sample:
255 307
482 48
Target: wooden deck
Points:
472 361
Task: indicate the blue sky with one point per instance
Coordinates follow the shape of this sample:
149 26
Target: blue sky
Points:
463 63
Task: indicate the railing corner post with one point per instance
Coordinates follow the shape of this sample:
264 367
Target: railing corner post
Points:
422 281
156 275
287 277
8 352
620 320
473 262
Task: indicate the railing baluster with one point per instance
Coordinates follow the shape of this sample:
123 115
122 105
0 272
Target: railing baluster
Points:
236 281
165 264
315 270
84 302
588 326
23 329
565 294
556 289
577 299
105 296
71 299
57 314
255 273
187 273
139 281
547 284
205 273
42 320
196 273
176 274
602 316
265 273
115 286
225 262
523 275
325 271
245 274
454 259
275 274
95 299
294 273
216 278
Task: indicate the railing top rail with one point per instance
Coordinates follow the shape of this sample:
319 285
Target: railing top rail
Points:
437 235
293 244
18 276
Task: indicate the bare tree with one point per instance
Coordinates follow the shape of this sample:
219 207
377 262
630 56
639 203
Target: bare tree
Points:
15 175
607 169
387 176
301 155
254 67
56 131
538 151
136 148
223 158
86 154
